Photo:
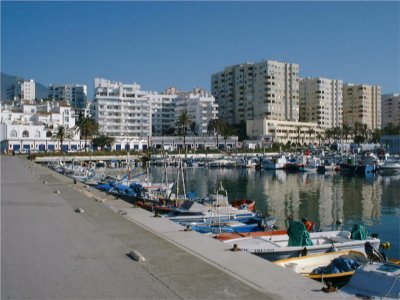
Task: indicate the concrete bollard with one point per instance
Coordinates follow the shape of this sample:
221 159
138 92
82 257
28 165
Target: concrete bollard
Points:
135 255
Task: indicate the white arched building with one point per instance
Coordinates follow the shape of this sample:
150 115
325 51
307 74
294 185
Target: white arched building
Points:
31 126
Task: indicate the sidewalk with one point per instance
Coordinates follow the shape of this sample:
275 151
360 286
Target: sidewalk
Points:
49 251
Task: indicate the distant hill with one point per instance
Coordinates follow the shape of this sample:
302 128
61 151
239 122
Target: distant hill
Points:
9 80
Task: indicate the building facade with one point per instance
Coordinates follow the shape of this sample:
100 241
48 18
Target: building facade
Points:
200 107
32 126
163 112
321 102
284 131
362 104
22 90
268 89
121 110
390 110
74 94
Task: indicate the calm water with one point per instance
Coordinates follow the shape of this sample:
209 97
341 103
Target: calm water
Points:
373 201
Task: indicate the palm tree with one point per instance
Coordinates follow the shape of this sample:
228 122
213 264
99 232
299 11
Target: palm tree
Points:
216 127
336 131
311 131
62 134
193 128
298 130
376 135
87 127
183 122
346 131
390 129
103 141
319 138
226 132
329 134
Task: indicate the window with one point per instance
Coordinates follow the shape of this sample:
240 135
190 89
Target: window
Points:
25 133
13 133
48 134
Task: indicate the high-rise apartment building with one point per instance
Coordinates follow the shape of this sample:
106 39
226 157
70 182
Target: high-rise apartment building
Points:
390 110
74 94
268 89
162 108
362 104
22 90
321 101
200 107
121 110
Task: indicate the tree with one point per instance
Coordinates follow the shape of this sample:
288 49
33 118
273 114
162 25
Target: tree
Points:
193 128
376 135
183 122
311 131
216 127
87 127
62 134
226 132
346 131
390 129
102 141
329 134
298 130
319 138
336 132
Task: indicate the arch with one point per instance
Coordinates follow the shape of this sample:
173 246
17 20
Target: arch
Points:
25 133
49 134
37 134
13 133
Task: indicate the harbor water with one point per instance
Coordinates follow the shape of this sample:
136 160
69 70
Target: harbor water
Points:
331 200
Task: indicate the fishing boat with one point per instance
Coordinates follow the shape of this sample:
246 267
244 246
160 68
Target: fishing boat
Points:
244 204
235 235
274 163
362 166
336 267
222 163
299 241
375 280
215 226
214 207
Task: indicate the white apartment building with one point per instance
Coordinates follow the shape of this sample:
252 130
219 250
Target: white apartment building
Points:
284 131
31 126
390 110
321 101
74 94
163 112
22 90
200 106
250 91
124 112
362 104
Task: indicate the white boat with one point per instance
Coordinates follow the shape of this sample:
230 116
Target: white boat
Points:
223 162
215 207
390 164
275 163
247 162
336 267
277 246
375 280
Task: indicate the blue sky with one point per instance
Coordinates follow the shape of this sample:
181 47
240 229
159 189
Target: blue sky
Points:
162 44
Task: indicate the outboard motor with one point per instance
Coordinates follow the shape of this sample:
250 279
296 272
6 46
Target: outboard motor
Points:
373 253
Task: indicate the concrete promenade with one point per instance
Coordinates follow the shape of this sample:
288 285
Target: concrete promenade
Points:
49 251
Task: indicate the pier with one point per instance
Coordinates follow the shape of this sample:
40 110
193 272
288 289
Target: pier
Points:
65 240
